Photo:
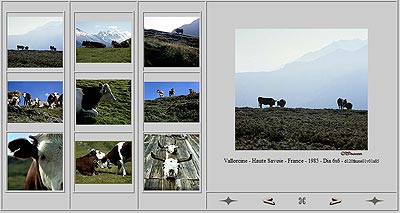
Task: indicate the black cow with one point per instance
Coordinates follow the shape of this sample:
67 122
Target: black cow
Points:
178 31
266 101
93 44
20 47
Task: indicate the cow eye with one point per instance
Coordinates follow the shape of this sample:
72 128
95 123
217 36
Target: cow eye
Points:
42 157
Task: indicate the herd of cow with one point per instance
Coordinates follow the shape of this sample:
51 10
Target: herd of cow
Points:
119 155
114 44
23 47
53 100
342 103
172 92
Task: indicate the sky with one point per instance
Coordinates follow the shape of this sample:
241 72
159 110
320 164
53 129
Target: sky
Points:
37 89
270 49
12 136
181 88
94 27
166 24
22 25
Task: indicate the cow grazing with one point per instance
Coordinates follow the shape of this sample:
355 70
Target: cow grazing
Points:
53 48
27 98
26 48
87 164
160 93
126 43
115 44
171 165
178 31
46 152
119 155
87 98
60 100
20 47
93 44
52 99
192 91
281 103
171 92
348 105
266 101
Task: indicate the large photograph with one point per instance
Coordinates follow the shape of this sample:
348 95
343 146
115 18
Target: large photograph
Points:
35 42
171 41
301 89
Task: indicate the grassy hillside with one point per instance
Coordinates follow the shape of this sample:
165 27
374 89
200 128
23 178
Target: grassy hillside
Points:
103 55
162 49
301 129
105 176
35 58
27 114
183 108
117 113
17 170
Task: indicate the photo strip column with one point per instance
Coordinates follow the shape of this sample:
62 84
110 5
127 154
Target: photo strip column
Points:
171 105
103 105
35 76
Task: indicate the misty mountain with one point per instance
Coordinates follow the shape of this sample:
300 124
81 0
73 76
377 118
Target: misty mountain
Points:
41 38
105 37
311 84
192 28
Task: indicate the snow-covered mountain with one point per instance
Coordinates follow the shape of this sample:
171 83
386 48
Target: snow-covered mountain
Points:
105 37
41 38
340 72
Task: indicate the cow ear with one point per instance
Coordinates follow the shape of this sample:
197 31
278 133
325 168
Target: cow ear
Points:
23 149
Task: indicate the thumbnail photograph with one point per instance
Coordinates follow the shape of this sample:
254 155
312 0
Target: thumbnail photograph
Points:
103 162
35 42
103 42
35 161
171 162
35 102
171 102
171 41
103 102
301 89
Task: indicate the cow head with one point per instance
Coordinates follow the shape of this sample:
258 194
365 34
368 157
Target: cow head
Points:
171 165
107 95
170 148
47 151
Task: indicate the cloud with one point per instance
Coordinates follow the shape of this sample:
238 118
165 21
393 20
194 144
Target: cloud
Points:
113 27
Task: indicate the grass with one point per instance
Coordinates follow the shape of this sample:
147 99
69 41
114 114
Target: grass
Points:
35 58
116 113
103 55
27 114
17 170
162 49
105 176
183 108
301 129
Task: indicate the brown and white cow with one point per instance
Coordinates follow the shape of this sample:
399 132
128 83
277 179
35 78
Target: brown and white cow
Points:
87 164
119 155
46 152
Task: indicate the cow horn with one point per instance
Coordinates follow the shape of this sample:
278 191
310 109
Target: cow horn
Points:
159 145
184 160
155 157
